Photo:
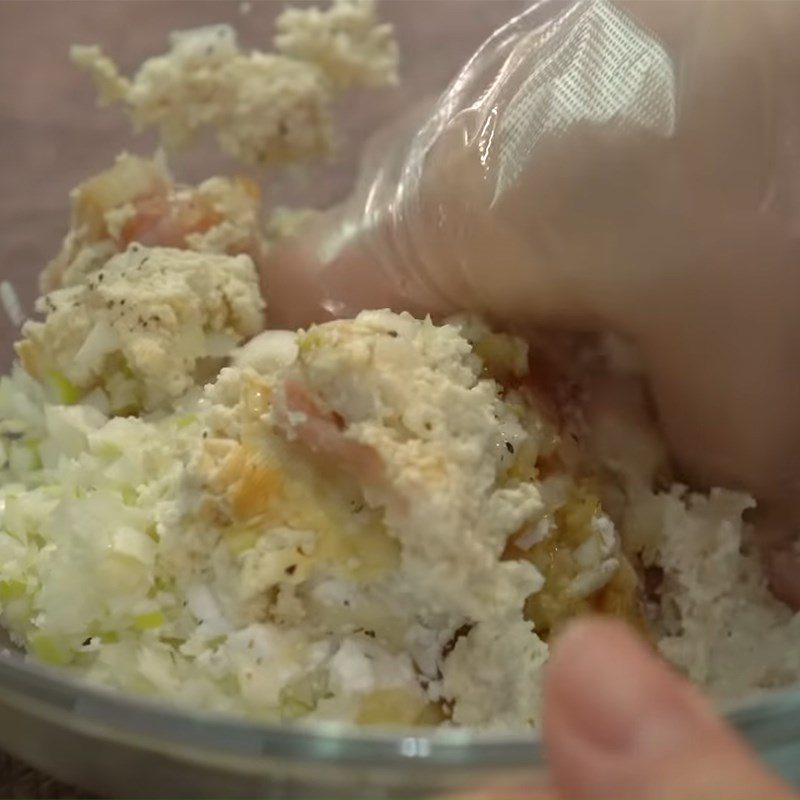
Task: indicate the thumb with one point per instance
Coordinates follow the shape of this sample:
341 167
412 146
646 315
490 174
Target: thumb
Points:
619 722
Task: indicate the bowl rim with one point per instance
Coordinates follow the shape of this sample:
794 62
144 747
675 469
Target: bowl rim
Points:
766 721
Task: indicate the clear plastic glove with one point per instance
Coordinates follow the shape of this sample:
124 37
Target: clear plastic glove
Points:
630 167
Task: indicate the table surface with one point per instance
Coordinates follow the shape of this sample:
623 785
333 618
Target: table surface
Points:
17 780
53 136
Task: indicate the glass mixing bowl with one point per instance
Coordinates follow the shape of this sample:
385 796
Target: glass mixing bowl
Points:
53 137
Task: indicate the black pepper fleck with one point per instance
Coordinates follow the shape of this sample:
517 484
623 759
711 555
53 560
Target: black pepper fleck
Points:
393 334
291 569
87 642
510 447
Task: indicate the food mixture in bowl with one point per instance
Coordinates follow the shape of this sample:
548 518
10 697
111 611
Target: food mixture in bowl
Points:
382 520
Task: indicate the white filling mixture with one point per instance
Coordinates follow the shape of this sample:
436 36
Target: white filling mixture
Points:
380 520
353 523
323 530
265 108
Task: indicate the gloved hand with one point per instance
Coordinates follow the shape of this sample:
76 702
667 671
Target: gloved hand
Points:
631 167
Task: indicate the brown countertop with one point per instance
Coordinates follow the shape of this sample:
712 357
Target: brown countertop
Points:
17 780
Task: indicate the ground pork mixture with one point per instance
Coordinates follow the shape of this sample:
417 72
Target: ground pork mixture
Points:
383 520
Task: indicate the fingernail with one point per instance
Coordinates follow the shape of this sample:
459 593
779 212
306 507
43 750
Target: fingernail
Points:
610 691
